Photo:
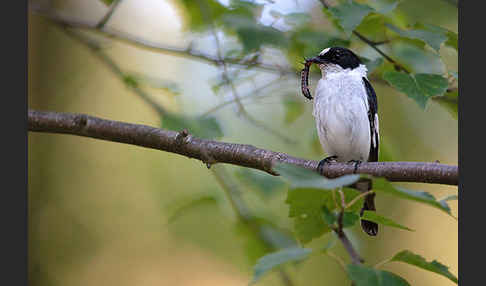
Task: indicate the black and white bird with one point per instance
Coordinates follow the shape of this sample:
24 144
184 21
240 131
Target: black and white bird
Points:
346 114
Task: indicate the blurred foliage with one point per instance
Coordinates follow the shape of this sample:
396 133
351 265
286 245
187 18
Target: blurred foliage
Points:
262 37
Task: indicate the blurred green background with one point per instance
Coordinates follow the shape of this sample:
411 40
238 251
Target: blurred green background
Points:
103 213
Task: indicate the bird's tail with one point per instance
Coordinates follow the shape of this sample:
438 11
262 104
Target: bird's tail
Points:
364 185
371 228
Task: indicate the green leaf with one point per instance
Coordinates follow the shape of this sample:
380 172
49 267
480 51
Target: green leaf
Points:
263 182
328 217
384 6
205 127
307 207
304 178
350 14
293 110
382 185
411 258
449 101
273 260
366 276
419 87
432 35
199 21
371 65
253 35
306 41
350 219
374 217
373 27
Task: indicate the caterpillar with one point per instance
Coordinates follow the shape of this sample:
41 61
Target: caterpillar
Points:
304 79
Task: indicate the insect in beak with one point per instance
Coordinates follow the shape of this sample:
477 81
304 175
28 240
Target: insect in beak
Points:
304 75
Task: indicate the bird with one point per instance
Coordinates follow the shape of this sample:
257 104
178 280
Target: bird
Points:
345 109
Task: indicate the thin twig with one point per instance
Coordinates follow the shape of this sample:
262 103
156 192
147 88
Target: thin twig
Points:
253 94
355 257
186 52
241 108
108 15
230 153
113 67
357 198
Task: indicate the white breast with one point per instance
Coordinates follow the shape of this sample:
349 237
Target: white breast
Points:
341 114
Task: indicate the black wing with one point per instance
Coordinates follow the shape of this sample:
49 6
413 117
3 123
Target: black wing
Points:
373 118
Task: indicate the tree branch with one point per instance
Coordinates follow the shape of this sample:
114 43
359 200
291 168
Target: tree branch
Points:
211 152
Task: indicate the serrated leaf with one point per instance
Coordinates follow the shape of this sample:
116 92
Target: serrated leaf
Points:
419 87
382 185
304 178
205 127
411 258
366 276
374 217
293 110
263 182
306 208
273 260
350 14
432 35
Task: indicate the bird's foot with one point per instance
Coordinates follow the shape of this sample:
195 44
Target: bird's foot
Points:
356 164
327 160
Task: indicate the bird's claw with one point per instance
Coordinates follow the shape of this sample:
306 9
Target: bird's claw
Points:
327 160
356 164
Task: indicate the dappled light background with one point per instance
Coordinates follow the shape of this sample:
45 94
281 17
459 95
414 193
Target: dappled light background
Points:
104 213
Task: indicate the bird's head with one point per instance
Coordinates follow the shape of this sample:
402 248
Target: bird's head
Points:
336 58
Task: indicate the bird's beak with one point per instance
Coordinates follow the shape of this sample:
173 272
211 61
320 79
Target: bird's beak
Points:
317 60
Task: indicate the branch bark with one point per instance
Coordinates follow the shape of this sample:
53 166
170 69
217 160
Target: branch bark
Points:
211 152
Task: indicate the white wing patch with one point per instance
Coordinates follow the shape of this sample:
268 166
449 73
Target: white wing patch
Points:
324 51
376 135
